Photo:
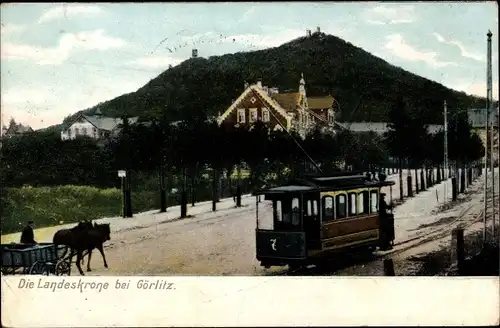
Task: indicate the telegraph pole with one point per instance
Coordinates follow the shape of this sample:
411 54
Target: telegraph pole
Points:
445 147
488 100
489 110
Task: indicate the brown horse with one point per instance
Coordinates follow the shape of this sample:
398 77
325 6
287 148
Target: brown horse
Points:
97 236
84 236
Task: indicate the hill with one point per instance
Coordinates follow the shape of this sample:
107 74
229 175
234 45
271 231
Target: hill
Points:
356 78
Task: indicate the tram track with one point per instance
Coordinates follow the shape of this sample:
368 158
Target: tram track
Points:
334 265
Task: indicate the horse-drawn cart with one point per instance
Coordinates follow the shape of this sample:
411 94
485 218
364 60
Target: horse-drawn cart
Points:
43 258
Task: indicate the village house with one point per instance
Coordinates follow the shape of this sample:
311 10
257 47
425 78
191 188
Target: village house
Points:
477 120
290 110
17 130
95 126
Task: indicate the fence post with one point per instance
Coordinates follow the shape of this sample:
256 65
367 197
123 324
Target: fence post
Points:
389 268
408 184
454 188
458 236
462 180
423 183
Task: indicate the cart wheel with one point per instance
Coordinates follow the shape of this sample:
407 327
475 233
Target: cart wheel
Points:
39 268
63 267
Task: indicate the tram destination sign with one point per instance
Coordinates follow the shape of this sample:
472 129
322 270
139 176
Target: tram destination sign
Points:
122 173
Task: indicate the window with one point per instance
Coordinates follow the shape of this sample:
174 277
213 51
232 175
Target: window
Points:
84 130
341 206
364 202
309 208
353 210
278 211
94 129
295 211
77 131
328 208
241 115
374 201
253 115
265 115
315 207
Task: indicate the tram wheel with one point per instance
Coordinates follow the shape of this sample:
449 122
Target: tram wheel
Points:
39 268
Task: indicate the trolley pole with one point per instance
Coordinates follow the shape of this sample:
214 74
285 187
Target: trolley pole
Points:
445 147
488 93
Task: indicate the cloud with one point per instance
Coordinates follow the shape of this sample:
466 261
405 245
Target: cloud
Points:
476 88
389 14
248 14
463 51
41 106
68 43
8 28
66 11
398 47
156 61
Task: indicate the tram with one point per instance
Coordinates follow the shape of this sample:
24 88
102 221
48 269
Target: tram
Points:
310 218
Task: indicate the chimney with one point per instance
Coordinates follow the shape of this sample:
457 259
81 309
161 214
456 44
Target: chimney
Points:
318 30
259 83
308 33
246 85
265 88
169 66
194 53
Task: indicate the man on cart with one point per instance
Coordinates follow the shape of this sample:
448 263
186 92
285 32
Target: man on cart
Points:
28 236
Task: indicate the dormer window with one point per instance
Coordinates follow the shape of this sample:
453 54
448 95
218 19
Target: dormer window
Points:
265 115
241 115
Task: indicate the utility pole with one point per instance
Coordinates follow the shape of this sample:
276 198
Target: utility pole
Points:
445 147
490 112
488 93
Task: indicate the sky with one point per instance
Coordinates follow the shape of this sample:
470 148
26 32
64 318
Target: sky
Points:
57 59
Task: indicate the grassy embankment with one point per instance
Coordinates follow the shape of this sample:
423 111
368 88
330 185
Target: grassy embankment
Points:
50 206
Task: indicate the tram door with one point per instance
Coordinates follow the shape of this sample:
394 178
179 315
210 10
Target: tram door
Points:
312 225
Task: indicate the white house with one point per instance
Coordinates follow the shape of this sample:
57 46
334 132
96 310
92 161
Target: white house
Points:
96 126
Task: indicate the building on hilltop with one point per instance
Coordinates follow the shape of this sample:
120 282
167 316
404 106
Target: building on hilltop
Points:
16 129
290 110
96 126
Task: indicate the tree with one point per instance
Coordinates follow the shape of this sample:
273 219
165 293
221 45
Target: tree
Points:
399 125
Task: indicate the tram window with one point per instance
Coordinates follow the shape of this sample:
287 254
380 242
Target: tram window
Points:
341 206
374 201
364 202
328 208
295 212
353 204
278 211
309 208
315 207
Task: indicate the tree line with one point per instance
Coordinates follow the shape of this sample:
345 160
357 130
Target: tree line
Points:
181 154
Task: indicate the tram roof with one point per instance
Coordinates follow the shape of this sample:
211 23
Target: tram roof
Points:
326 183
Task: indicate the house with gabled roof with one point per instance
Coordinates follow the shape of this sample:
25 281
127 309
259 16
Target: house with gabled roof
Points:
95 126
17 130
290 110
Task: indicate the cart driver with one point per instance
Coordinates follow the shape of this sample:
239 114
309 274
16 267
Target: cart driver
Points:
28 236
